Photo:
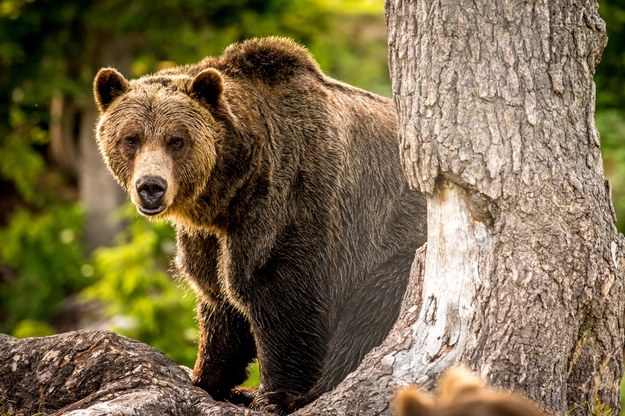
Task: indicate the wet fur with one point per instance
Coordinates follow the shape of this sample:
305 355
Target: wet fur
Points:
294 221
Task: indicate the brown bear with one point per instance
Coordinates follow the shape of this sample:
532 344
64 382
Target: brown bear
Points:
460 392
294 221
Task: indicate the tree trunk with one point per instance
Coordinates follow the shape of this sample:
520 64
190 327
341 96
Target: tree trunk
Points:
75 151
99 192
63 117
524 267
73 147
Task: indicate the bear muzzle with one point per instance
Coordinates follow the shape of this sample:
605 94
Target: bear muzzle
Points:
151 191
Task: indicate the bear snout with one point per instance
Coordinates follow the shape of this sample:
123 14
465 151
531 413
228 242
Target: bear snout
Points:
151 191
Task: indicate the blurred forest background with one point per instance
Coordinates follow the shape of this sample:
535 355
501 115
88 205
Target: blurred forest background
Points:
73 253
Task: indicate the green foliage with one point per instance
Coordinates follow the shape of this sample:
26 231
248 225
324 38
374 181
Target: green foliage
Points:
599 409
609 77
17 152
141 300
31 328
253 375
46 256
623 396
611 126
5 411
610 116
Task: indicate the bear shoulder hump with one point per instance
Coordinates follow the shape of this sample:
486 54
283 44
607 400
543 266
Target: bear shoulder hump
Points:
271 59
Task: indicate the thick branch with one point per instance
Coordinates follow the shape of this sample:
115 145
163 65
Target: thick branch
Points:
99 372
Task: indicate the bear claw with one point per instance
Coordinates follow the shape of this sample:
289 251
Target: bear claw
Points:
275 402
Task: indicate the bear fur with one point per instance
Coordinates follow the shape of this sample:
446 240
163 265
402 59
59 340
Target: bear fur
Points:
461 392
294 221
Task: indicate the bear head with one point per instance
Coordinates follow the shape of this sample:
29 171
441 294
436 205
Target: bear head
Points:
159 137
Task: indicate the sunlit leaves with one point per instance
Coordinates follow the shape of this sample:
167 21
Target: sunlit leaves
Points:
45 259
140 298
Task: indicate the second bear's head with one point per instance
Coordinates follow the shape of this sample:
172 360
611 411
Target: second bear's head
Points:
160 136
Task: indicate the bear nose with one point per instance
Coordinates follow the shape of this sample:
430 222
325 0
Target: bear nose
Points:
151 190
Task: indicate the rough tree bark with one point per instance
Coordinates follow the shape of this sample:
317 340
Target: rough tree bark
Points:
524 268
96 373
523 277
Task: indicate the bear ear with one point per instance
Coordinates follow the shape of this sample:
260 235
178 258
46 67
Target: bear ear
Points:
108 85
459 382
412 401
207 86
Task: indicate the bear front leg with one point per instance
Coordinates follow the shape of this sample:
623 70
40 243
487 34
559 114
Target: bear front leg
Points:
226 347
291 342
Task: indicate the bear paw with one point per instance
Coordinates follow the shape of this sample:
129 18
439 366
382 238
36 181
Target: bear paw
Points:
276 402
242 395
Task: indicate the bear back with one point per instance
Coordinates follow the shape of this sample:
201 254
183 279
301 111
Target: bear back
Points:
272 60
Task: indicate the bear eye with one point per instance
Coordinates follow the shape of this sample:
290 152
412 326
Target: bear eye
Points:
176 144
131 142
